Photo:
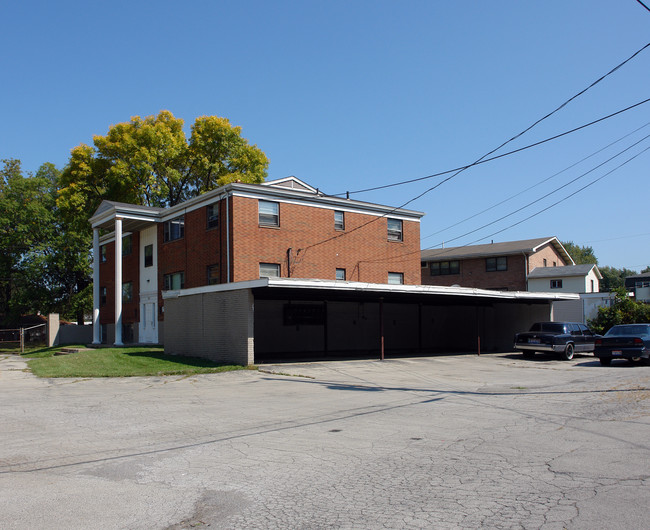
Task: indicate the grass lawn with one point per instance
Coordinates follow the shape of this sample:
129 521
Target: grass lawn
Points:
119 362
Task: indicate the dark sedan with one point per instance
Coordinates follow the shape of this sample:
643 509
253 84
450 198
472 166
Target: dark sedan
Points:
625 341
564 338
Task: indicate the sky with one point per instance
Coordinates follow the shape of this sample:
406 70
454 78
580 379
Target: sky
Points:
351 95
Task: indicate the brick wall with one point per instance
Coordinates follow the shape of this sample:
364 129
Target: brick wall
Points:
365 253
473 271
130 273
547 252
473 274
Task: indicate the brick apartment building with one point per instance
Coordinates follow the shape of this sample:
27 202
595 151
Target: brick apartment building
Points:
495 266
239 232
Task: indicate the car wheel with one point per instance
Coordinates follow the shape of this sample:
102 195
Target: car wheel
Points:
605 361
568 352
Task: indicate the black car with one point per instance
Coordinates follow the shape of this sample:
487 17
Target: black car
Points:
625 341
559 337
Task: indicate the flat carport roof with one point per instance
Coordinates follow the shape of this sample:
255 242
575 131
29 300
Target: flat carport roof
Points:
300 289
422 318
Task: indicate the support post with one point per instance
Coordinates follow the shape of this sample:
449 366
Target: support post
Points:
381 326
118 281
96 261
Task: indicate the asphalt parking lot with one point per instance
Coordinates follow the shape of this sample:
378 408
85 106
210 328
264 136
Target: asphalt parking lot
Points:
495 441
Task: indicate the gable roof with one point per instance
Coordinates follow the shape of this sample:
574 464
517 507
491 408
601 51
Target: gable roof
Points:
291 183
525 246
564 272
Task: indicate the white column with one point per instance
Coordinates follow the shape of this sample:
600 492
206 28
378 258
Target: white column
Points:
118 281
96 261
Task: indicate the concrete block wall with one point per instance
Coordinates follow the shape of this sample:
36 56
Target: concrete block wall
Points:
214 326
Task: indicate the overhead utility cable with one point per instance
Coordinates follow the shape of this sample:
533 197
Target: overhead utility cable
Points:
490 152
648 8
491 159
461 169
458 170
535 201
563 199
536 184
551 192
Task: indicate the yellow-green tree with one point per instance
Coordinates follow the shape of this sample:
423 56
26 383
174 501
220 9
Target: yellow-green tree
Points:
150 161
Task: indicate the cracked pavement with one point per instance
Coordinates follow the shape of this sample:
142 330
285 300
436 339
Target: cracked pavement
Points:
495 441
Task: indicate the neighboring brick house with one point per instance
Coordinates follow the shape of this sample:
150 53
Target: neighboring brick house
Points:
570 279
239 232
498 266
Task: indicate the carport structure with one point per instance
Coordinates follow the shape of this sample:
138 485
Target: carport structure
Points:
275 319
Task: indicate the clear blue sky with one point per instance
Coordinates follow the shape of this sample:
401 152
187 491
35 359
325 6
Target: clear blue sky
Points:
348 95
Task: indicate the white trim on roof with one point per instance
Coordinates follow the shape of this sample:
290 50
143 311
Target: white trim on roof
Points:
297 283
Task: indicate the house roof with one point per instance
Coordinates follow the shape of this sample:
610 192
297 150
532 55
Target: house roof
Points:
564 272
638 276
525 246
289 189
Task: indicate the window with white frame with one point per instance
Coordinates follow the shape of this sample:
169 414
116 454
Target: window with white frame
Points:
174 281
269 213
395 229
174 229
339 220
127 292
396 278
269 270
127 245
148 256
212 215
556 284
213 274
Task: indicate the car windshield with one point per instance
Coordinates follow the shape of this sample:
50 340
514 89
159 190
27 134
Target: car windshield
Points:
637 329
553 327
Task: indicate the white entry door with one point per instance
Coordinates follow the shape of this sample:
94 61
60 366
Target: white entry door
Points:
148 322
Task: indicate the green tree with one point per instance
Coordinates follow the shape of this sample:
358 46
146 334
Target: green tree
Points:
149 161
614 278
581 255
44 266
623 310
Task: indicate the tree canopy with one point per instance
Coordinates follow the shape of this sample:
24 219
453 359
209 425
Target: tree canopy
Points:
44 266
581 255
149 161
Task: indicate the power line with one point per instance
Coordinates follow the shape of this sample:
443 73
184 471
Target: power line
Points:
617 67
493 150
485 160
561 200
648 8
551 192
533 215
462 169
536 184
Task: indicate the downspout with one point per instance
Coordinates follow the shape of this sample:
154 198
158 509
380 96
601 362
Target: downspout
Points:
227 238
526 268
